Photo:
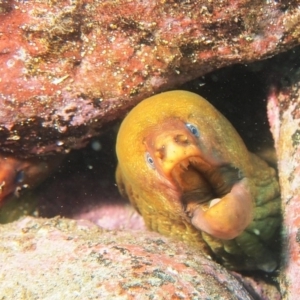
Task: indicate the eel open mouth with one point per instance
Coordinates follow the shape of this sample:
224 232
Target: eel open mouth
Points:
217 200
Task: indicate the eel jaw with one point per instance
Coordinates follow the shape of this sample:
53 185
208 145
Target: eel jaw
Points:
226 217
216 200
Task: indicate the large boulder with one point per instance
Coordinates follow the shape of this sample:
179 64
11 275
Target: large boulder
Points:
70 68
65 259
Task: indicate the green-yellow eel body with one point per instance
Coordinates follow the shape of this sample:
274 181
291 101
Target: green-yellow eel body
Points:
188 173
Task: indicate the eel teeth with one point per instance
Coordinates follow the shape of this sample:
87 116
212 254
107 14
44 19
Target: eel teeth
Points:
214 202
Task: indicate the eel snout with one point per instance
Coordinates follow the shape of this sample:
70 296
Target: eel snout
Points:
215 199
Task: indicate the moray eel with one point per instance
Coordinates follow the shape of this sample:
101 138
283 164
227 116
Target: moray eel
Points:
18 175
188 173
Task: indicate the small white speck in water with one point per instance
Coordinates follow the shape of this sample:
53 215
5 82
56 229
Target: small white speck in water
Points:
96 145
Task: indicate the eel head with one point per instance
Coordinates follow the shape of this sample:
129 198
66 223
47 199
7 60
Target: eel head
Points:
215 196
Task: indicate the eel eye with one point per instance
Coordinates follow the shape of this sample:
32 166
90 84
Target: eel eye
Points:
193 129
20 176
149 160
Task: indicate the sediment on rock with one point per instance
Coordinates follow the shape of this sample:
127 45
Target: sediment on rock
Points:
70 68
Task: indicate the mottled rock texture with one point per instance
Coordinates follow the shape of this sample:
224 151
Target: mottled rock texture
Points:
284 117
69 68
64 259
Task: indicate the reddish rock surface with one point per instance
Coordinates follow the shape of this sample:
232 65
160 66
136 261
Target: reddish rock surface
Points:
64 259
69 68
284 117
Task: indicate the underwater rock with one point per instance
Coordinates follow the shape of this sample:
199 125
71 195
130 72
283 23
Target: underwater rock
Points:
70 68
65 259
284 118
